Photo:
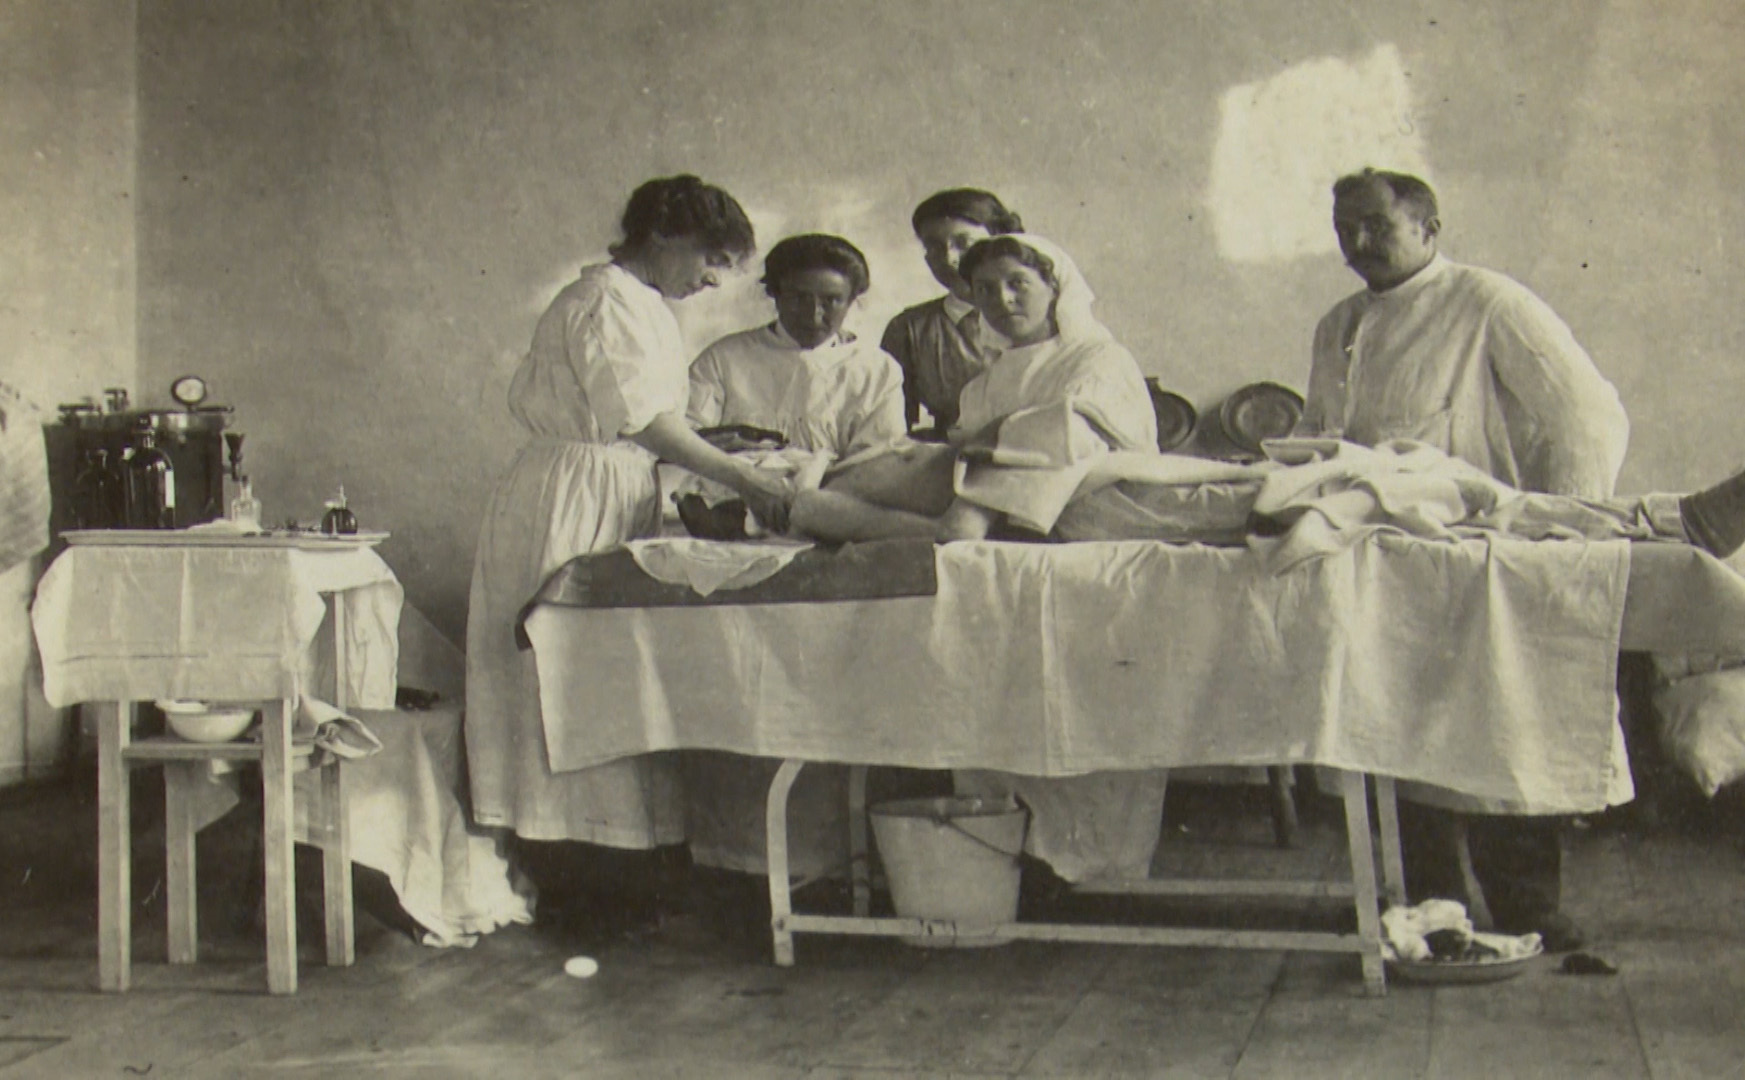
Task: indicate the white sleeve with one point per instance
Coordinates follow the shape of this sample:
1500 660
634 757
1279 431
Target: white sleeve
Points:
1566 426
624 365
707 393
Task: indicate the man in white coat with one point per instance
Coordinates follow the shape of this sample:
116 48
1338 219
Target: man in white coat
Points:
1473 363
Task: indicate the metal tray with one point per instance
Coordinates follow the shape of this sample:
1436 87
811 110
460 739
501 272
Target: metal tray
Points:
1446 972
159 538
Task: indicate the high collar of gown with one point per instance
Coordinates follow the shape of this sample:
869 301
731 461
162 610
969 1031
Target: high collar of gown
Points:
835 348
1408 289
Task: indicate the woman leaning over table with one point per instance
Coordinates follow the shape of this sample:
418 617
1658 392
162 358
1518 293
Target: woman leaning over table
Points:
602 394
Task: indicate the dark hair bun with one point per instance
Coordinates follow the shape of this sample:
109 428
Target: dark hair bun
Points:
815 251
685 206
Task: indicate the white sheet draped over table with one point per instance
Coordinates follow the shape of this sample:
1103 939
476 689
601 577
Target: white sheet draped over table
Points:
1485 666
212 623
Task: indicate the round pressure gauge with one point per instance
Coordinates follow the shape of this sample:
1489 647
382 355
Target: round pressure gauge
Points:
190 390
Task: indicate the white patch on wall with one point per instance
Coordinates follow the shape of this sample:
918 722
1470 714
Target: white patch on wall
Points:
1282 143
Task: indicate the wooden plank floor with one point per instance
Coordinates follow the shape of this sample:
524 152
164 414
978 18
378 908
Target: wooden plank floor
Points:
681 1002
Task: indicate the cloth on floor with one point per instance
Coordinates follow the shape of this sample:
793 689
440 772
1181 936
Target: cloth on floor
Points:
24 494
710 565
407 822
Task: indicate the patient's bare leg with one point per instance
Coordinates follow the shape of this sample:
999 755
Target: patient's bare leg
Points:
838 518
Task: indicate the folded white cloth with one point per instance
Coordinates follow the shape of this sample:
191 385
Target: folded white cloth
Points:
1404 930
709 565
333 732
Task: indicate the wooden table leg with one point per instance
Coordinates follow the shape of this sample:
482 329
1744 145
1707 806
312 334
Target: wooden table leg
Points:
114 846
278 842
336 868
1368 905
781 903
859 868
1387 812
180 778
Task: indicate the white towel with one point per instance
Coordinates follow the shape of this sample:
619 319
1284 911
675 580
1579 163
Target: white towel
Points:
709 565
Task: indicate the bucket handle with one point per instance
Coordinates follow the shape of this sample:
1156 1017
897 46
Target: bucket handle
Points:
939 818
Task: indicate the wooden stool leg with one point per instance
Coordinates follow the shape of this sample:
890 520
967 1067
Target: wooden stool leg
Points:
278 841
336 867
859 868
1284 805
179 869
1368 904
114 847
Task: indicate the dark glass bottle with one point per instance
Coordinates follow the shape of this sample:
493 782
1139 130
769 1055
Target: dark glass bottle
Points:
339 520
151 485
96 493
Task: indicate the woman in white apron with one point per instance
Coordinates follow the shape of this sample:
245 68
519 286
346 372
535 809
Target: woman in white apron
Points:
601 393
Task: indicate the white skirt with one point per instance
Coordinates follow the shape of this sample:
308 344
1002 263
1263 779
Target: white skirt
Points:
558 500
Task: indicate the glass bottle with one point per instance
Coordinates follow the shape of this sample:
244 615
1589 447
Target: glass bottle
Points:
245 509
94 492
151 485
339 520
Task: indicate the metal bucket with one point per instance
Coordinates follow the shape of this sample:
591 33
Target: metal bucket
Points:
954 863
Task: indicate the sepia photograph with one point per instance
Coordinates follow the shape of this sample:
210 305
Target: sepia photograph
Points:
884 540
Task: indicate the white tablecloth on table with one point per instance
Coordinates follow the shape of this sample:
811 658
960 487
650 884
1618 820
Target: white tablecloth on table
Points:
215 623
119 623
1484 666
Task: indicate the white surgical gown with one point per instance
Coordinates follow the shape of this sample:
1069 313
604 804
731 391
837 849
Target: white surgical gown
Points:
842 396
607 358
1474 364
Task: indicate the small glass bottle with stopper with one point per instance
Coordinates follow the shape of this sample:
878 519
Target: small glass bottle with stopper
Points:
339 520
244 509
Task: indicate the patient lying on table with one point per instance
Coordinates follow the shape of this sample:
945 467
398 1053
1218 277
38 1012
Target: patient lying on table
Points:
1057 437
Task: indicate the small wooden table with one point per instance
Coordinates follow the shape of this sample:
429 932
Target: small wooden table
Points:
119 625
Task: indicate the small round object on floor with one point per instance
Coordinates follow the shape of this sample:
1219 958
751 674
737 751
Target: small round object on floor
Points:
581 967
